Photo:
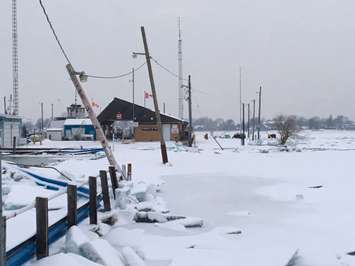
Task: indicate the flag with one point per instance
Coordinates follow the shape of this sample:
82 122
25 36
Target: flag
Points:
94 104
147 95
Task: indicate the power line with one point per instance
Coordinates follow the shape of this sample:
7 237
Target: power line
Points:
165 68
117 76
54 33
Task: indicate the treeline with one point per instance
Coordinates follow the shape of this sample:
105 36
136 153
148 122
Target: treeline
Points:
331 122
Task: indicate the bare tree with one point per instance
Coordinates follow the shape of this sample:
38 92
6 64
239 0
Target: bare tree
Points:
286 126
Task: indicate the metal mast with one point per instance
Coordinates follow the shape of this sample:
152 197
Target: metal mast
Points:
15 83
180 74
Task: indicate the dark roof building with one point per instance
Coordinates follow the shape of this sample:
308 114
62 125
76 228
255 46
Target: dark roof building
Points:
145 128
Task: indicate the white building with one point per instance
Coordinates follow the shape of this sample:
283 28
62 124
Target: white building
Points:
10 127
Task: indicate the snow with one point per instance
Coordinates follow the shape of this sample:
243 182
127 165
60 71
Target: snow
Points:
259 204
77 122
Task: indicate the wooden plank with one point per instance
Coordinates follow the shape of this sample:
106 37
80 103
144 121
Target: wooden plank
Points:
42 227
104 189
72 205
93 200
129 171
114 181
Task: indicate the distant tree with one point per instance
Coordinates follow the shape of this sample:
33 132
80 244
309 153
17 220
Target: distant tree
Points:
229 125
286 126
314 123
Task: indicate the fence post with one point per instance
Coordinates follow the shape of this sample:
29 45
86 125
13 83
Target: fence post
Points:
3 241
129 171
104 188
93 200
114 181
14 145
72 204
42 227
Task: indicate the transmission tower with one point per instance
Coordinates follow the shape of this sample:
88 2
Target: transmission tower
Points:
15 83
180 75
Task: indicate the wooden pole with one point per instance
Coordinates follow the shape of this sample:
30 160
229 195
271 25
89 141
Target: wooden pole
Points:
259 115
104 189
164 153
93 200
14 145
114 182
99 132
253 131
2 226
243 125
248 122
129 172
3 241
42 228
72 205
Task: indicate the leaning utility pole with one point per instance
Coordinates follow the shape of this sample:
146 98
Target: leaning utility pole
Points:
190 113
164 153
99 132
243 126
253 137
259 115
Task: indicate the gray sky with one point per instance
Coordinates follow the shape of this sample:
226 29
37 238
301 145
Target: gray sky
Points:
301 52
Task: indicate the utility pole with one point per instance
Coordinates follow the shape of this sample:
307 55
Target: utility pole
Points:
253 137
259 115
42 119
190 113
52 113
99 132
133 94
164 108
240 97
243 126
164 153
248 125
5 109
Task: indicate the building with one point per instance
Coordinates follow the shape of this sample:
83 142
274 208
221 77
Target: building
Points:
143 122
79 129
10 127
76 111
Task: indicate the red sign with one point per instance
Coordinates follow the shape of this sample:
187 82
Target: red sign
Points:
119 116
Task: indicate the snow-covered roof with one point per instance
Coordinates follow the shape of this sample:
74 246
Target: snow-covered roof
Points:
77 122
57 124
54 129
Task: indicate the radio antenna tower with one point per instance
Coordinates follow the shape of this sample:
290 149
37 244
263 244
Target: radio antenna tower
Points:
180 75
15 83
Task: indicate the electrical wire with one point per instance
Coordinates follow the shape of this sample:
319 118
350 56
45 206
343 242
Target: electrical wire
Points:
54 33
116 76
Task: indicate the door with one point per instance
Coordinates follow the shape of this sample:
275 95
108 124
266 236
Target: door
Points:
166 132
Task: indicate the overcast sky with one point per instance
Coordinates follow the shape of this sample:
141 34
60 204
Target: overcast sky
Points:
301 52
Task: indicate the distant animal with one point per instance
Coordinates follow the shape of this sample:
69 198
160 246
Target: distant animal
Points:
239 136
271 136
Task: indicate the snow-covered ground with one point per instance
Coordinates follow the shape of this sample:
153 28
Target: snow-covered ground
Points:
260 204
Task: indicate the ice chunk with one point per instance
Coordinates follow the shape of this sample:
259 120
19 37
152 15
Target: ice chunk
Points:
131 257
65 259
102 252
74 239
